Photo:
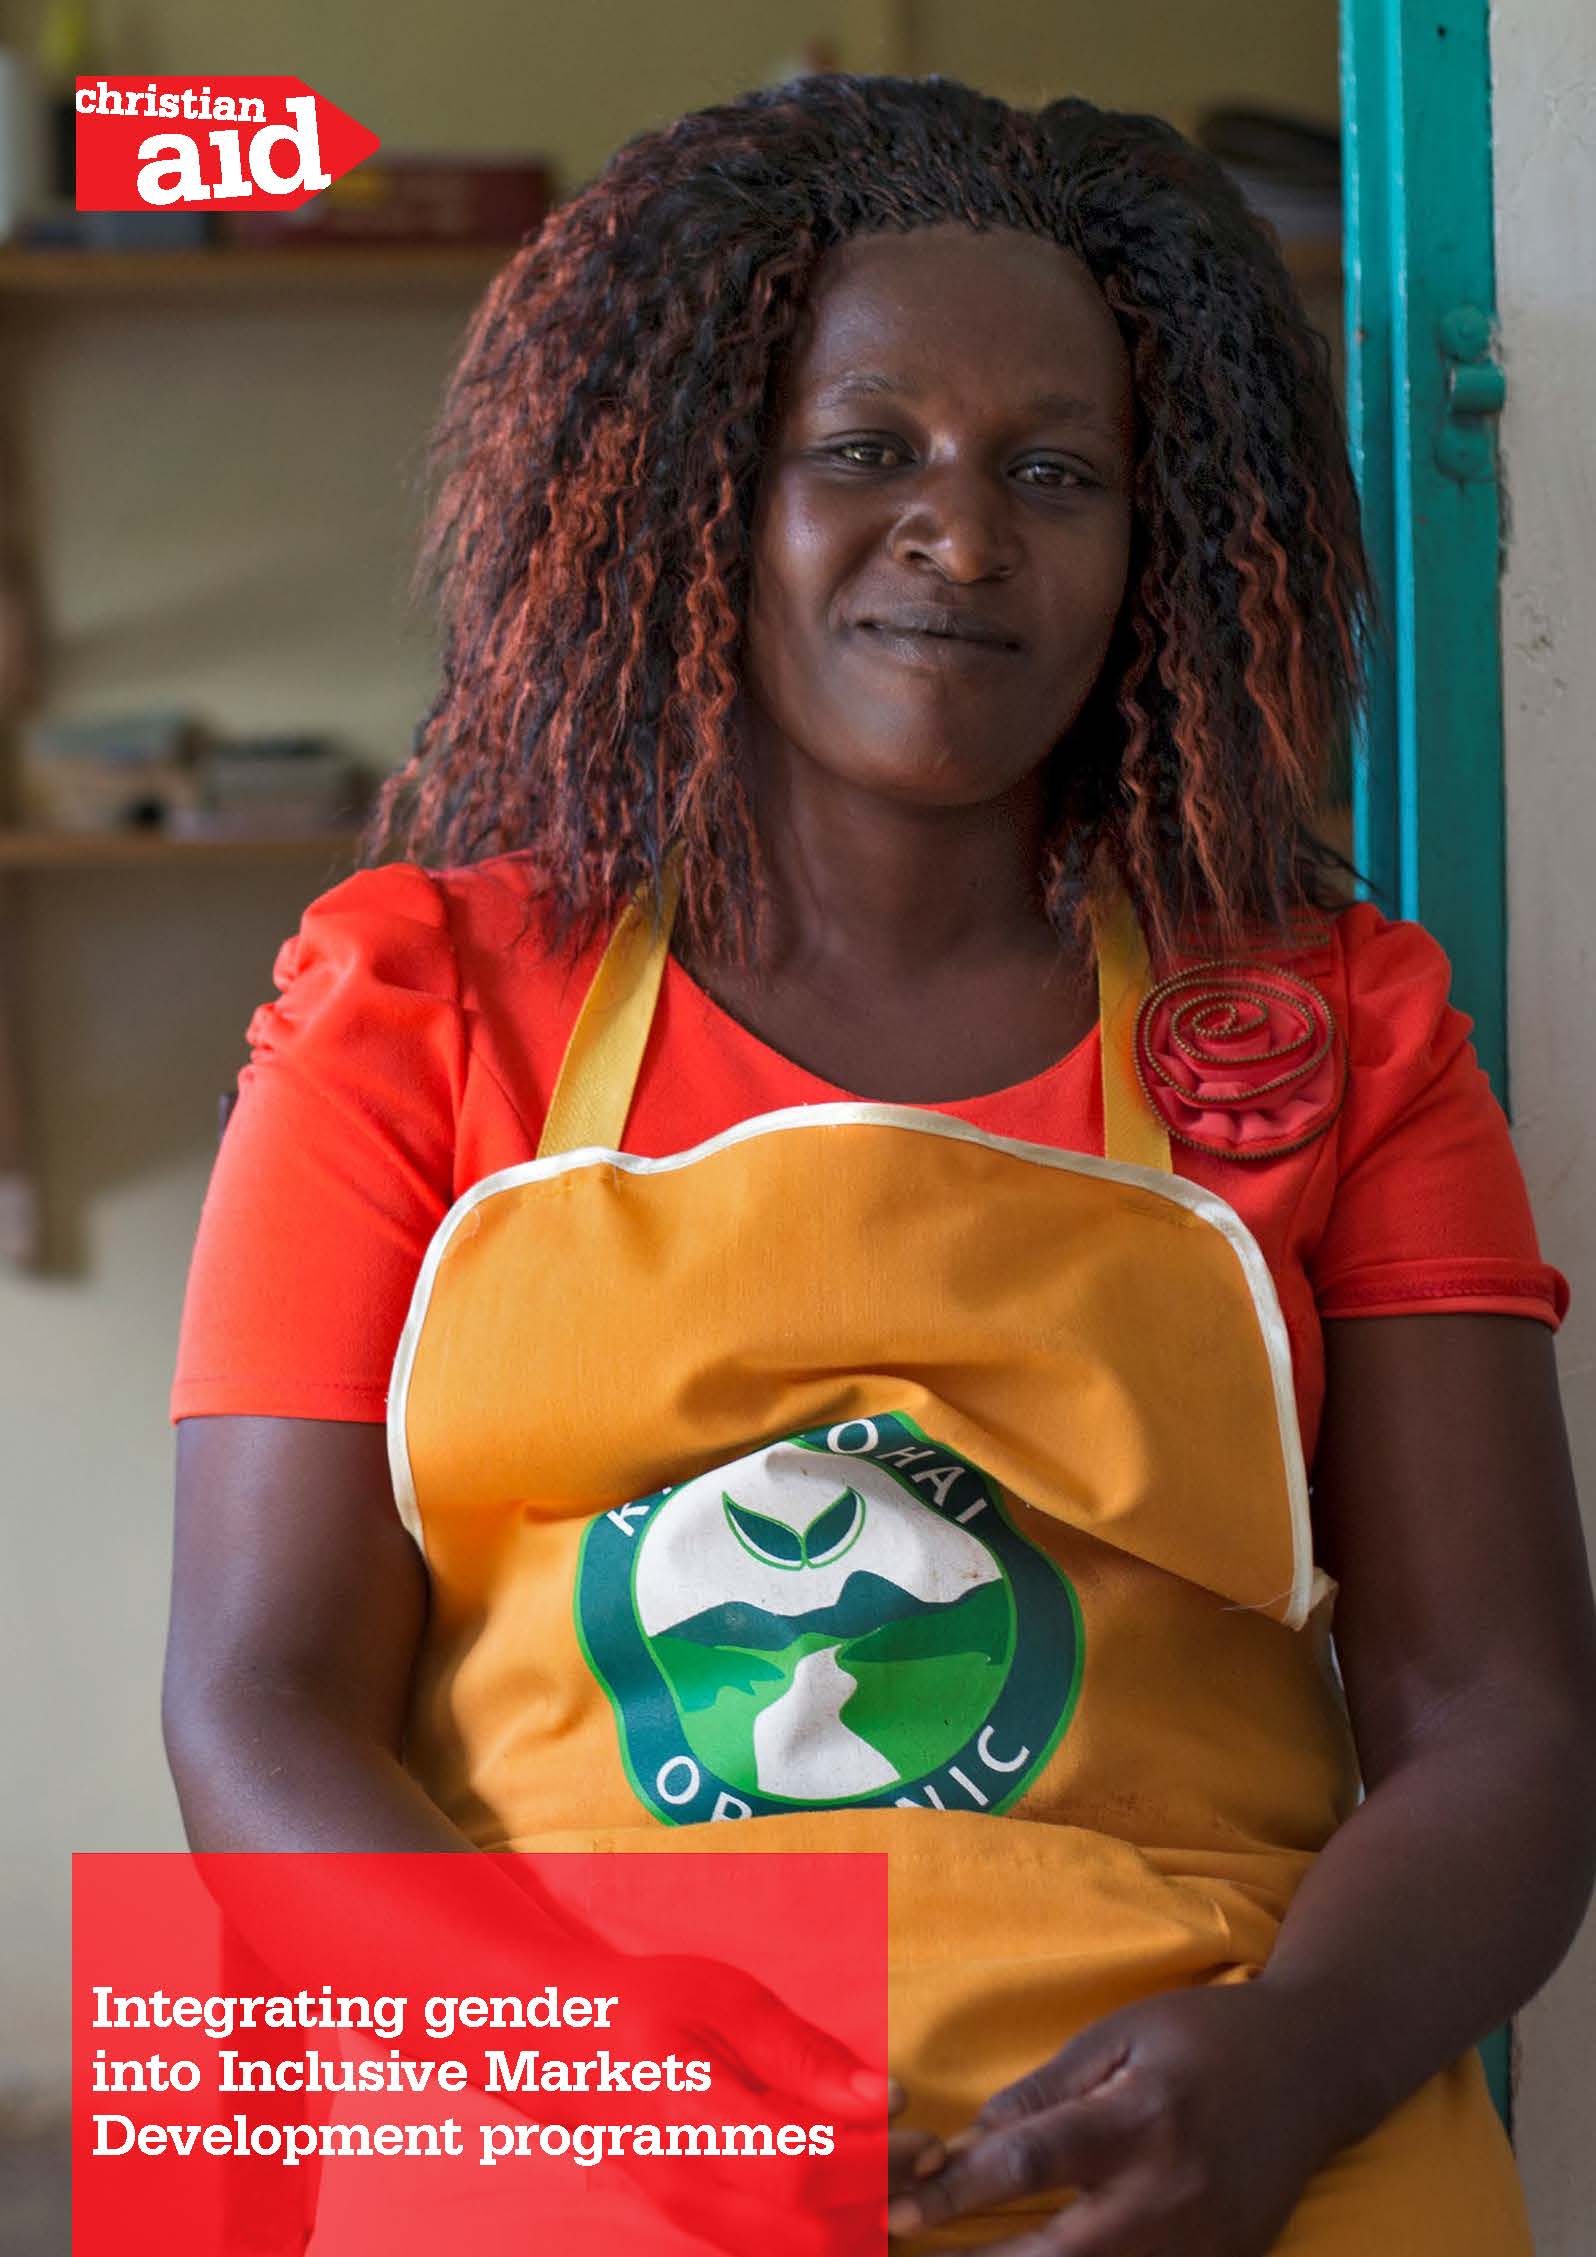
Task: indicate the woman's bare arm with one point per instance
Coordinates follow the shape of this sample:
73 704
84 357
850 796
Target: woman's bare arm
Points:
1444 1505
298 1602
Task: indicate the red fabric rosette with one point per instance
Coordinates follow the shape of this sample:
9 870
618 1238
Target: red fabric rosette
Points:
1240 1060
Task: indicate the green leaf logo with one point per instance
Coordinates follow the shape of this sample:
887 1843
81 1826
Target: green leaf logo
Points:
773 1543
827 1538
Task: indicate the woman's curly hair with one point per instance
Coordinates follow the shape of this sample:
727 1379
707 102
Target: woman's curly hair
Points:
599 452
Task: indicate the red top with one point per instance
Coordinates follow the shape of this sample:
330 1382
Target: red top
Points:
421 1026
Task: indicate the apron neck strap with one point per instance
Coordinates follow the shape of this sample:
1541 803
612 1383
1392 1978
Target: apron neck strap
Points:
1132 1132
593 1092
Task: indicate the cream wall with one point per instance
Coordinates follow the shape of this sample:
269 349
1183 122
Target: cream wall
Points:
1545 129
221 494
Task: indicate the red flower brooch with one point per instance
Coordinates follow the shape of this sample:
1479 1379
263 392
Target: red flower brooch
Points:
1242 1061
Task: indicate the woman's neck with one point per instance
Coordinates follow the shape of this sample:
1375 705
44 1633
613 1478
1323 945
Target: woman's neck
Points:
906 952
858 885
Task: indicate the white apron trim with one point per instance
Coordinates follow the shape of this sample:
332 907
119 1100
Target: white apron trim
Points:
1308 1583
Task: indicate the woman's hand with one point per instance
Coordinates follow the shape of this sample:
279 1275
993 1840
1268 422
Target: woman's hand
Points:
911 2156
770 2066
728 2220
1189 2123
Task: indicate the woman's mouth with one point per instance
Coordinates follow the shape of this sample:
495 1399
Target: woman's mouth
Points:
936 649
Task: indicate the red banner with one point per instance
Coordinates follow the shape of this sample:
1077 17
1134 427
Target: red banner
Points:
413 2055
210 145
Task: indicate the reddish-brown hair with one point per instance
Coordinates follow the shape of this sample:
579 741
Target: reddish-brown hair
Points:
598 457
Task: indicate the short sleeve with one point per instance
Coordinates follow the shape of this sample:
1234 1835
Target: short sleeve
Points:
336 1167
1430 1211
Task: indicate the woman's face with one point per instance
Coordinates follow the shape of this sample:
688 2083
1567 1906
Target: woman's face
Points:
942 530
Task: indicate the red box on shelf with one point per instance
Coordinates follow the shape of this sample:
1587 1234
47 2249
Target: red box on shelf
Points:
409 200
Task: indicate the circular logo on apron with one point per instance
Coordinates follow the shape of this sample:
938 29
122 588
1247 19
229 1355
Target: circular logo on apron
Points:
844 1619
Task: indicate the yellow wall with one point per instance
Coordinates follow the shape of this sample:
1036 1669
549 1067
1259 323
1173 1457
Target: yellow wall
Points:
575 79
1173 59
221 495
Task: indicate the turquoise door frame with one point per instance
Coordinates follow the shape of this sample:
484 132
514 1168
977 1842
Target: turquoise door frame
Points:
1423 391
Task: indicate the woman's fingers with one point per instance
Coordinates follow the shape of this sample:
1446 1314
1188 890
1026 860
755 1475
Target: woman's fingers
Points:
1073 2144
1082 2066
779 2050
911 2157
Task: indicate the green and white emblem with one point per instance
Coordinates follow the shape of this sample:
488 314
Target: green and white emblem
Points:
844 1619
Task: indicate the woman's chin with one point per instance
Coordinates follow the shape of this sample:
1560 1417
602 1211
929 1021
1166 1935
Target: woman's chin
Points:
932 777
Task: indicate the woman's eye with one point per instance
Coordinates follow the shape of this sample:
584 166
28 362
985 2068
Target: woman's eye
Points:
855 450
1046 477
1058 476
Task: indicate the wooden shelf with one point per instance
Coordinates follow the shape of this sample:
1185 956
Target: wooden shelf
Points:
311 267
339 266
22 850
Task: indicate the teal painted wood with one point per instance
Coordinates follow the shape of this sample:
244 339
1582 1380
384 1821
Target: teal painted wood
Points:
1366 155
1422 392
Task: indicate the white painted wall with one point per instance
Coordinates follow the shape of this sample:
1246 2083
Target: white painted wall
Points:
1544 63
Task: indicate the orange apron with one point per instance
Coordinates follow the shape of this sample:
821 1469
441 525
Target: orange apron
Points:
860 1480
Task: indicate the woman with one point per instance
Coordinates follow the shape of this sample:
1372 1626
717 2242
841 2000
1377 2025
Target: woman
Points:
863 1023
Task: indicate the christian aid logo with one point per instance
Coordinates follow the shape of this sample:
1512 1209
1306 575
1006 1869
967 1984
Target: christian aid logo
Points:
214 145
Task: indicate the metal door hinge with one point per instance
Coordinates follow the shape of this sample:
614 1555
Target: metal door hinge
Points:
1476 388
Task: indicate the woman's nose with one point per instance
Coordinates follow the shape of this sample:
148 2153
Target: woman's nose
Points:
958 523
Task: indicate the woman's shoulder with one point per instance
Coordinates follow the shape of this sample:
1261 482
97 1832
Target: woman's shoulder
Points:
404 973
1387 961
1386 980
500 890
407 925
1354 942
386 922
1390 983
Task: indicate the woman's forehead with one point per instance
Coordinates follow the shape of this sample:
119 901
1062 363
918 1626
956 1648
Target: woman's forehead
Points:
902 312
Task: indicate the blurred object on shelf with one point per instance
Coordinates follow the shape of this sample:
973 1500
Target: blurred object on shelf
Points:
118 231
21 143
127 773
410 200
1288 168
817 58
271 787
38 155
162 772
64 51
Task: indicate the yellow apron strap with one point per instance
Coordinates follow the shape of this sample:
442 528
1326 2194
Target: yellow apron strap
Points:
1132 1131
593 1094
598 1073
